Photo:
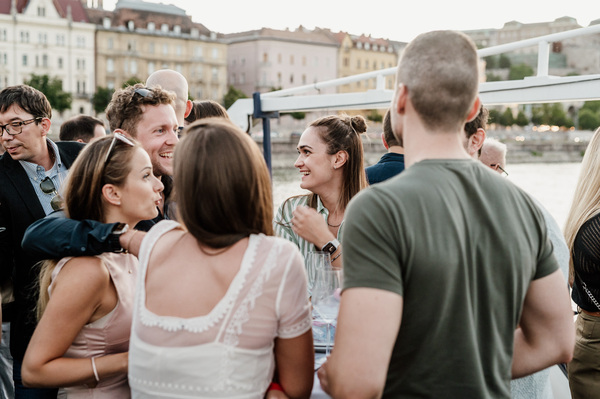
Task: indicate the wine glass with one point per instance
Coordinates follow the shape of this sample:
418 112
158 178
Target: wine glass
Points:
316 260
326 298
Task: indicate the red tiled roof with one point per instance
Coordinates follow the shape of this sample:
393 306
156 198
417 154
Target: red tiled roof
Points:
77 12
6 4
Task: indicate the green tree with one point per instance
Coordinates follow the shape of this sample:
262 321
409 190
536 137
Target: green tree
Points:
52 88
494 116
491 62
558 116
491 77
132 81
507 119
298 115
521 119
232 96
588 119
593 106
518 72
504 61
101 98
375 116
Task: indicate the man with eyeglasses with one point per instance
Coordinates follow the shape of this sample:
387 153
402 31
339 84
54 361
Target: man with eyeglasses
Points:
31 172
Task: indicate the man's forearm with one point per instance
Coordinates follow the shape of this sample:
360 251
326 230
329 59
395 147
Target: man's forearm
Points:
56 237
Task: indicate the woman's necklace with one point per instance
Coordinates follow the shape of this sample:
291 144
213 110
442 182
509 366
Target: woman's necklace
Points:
333 225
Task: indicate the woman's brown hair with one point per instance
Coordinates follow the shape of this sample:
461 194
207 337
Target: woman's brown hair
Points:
83 191
222 184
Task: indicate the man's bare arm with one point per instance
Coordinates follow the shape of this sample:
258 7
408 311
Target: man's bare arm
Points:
367 328
546 334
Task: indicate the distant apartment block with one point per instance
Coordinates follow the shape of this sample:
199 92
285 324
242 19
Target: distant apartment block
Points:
579 55
48 37
267 59
138 38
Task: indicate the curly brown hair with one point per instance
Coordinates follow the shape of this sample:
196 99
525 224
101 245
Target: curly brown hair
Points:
126 106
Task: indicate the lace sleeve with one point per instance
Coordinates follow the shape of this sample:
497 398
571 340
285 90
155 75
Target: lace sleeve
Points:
293 306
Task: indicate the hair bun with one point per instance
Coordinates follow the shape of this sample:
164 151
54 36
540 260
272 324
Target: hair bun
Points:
359 123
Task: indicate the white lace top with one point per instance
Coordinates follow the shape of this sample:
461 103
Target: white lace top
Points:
229 351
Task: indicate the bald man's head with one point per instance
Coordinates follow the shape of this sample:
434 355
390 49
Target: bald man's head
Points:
171 80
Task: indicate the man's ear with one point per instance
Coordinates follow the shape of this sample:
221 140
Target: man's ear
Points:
474 110
111 194
401 98
46 123
188 108
476 141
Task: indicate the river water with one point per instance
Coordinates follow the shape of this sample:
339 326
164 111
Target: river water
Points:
553 184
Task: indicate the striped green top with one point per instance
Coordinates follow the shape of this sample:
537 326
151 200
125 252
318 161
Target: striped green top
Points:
283 227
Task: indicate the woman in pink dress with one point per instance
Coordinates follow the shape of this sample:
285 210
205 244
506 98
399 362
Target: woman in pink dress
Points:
85 304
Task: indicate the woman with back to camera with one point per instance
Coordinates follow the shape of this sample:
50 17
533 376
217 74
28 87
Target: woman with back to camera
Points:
220 301
582 233
85 303
331 164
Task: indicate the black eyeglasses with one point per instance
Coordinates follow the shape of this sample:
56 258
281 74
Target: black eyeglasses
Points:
142 91
496 167
120 137
47 186
15 128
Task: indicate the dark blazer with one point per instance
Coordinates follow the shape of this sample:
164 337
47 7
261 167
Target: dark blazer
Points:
19 207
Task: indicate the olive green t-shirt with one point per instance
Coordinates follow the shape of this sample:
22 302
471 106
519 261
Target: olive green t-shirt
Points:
461 245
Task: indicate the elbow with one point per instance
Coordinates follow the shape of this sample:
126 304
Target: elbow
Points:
29 377
365 390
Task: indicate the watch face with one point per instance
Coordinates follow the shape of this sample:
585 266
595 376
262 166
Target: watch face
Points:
329 248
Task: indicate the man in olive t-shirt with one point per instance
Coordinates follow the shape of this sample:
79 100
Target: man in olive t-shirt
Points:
444 261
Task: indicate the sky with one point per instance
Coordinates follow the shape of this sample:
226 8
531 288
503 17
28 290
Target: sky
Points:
397 20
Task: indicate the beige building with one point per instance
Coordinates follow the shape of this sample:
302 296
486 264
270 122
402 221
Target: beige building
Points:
48 37
138 38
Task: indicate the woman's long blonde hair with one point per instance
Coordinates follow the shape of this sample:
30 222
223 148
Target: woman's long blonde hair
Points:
586 200
83 192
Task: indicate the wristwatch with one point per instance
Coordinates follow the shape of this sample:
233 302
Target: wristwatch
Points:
331 246
113 237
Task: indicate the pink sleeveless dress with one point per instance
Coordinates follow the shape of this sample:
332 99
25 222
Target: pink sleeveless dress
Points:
109 334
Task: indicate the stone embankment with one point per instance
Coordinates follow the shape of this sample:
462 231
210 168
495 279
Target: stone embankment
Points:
284 153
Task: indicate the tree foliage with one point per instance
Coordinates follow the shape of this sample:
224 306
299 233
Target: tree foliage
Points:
132 81
232 96
504 61
494 116
518 72
521 119
588 119
101 98
550 114
375 116
506 118
59 99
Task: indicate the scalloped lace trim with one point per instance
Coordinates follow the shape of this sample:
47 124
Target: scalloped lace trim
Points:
201 323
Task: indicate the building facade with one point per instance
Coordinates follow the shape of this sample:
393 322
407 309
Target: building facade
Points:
46 37
138 38
268 59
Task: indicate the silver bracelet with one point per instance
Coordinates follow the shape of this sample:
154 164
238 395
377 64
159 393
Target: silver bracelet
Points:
95 369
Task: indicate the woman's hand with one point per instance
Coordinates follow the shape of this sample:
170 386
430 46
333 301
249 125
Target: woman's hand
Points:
310 225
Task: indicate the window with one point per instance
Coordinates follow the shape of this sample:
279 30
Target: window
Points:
110 84
215 53
232 78
303 79
292 79
177 29
110 43
366 64
60 63
358 64
303 61
151 48
164 28
178 50
131 45
106 22
215 73
24 60
41 11
265 57
291 60
165 50
150 67
45 61
110 65
198 52
37 61
130 25
279 58
279 78
134 67
24 37
242 78
151 26
179 68
42 38
3 35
